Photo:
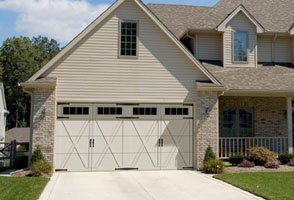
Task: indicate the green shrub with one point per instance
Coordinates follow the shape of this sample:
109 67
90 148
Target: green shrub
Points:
37 155
213 166
209 154
260 155
285 158
236 159
40 168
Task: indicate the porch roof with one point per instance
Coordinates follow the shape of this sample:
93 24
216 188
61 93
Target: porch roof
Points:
276 78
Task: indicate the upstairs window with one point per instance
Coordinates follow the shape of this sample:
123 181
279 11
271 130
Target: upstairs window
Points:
128 39
240 47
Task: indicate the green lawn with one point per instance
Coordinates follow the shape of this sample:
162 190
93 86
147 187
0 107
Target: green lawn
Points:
273 186
21 188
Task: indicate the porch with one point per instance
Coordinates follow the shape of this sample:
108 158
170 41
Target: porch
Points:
246 122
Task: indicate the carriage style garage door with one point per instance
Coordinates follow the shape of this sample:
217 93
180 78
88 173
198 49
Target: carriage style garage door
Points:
109 137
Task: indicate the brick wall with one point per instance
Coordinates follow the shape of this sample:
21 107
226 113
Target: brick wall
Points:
207 126
44 115
269 113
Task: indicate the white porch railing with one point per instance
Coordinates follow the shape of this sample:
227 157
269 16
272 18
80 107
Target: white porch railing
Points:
240 145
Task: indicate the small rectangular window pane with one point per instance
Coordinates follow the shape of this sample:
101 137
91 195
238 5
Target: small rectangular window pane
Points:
112 111
185 111
167 111
100 111
79 110
119 111
240 46
154 111
179 111
72 110
135 111
66 110
148 111
141 111
106 111
174 111
85 111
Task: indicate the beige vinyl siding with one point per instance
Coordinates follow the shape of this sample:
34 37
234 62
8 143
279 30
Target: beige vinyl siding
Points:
264 46
283 50
240 23
94 73
208 46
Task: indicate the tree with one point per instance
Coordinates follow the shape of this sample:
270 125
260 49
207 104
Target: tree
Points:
20 58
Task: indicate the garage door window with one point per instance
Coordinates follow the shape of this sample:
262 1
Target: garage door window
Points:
144 111
76 110
176 111
109 111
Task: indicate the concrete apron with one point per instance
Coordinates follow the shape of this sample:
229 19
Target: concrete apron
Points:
140 185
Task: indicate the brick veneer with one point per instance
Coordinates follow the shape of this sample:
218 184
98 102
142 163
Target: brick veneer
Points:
207 126
269 113
44 115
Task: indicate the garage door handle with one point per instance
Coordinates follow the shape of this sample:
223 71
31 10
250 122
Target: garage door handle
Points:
90 142
93 141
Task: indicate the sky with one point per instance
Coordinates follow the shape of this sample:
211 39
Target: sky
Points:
59 19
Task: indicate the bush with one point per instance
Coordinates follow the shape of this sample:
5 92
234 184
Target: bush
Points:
275 164
291 163
246 164
37 155
209 154
260 155
213 166
236 159
40 168
285 158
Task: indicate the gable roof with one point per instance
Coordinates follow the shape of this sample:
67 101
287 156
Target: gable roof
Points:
103 16
241 8
178 18
18 134
274 15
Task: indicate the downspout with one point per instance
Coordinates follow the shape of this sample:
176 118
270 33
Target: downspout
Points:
273 47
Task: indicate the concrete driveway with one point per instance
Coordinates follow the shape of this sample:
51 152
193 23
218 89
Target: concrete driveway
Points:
137 185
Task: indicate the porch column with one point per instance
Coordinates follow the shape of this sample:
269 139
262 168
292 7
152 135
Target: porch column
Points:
290 124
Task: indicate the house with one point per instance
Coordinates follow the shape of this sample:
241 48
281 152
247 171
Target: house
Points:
150 87
21 135
3 113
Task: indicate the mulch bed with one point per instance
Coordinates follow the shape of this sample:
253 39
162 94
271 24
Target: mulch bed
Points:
235 169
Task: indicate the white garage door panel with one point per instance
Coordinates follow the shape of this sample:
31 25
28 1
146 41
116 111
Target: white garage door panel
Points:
142 161
175 160
70 145
74 128
106 161
103 141
73 162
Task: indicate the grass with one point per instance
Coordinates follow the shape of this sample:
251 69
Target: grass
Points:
272 186
21 188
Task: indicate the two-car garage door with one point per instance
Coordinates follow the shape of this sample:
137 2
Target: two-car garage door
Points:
93 137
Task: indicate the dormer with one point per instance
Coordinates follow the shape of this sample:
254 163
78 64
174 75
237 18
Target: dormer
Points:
240 31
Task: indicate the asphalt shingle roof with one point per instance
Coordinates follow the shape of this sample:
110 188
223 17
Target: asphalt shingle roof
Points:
273 15
265 78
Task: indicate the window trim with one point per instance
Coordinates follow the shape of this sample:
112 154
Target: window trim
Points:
237 121
233 48
119 40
